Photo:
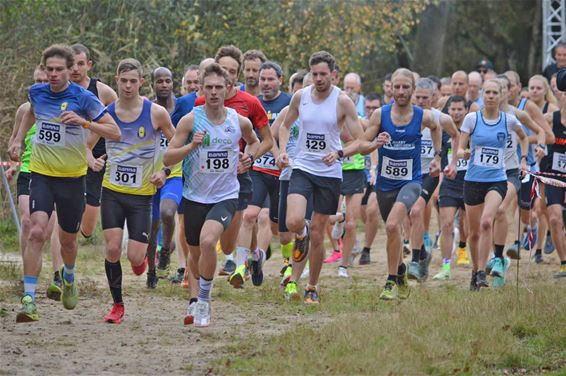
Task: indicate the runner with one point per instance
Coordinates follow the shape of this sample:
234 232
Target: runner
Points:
252 61
265 178
190 82
485 183
168 197
324 112
421 254
64 113
396 129
474 86
95 173
387 90
211 186
131 178
353 87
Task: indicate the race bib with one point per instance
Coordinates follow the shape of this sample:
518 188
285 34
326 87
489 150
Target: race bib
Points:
461 164
126 176
316 143
216 162
267 161
488 157
509 142
51 134
559 162
427 151
397 169
163 142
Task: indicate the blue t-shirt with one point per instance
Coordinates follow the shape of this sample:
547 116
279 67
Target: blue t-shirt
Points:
274 107
183 105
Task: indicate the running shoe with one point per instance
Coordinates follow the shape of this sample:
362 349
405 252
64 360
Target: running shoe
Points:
343 272
164 265
285 266
338 228
151 281
140 269
70 293
301 247
228 268
257 268
116 314
538 258
389 291
203 313
462 256
427 242
497 267
414 271
334 257
54 290
190 316
489 265
481 279
365 258
548 245
177 278
311 296
403 288
444 274
499 280
514 252
561 273
424 264
28 313
291 292
474 281
286 276
237 278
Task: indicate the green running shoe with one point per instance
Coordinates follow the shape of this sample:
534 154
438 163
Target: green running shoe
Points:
291 292
28 313
444 274
389 291
403 289
237 278
54 290
70 294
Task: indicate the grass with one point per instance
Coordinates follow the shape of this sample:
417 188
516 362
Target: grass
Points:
437 331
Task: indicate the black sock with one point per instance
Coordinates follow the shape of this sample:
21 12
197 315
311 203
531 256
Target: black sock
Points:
181 270
461 244
499 251
193 300
114 275
57 276
538 252
392 277
401 269
423 253
366 250
416 255
562 262
165 251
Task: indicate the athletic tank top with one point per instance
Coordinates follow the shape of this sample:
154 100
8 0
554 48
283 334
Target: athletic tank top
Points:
291 148
399 160
427 150
132 160
27 151
176 170
211 170
555 161
531 159
488 143
100 148
512 149
58 149
318 135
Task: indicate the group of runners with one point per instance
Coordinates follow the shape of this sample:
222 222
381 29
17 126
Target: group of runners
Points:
230 167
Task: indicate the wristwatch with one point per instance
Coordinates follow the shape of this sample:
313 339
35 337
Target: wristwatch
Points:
167 171
438 153
340 154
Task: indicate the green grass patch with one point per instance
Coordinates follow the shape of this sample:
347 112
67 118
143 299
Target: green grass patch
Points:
8 236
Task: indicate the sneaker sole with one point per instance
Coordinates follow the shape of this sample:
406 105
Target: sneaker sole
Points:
54 295
112 321
237 282
188 320
23 318
257 273
513 254
299 256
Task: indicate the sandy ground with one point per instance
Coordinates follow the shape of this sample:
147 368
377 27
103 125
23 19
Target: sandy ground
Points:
152 338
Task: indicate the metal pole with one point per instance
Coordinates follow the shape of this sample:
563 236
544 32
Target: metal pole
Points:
10 198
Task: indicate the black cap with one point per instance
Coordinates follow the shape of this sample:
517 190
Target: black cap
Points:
484 63
561 80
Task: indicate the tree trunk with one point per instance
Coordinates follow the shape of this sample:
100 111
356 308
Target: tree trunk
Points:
429 44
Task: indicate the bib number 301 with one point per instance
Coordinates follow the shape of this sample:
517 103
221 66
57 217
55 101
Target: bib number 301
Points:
126 176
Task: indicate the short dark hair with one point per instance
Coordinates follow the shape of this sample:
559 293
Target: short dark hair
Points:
255 55
388 77
560 44
323 57
272 65
298 77
230 51
192 67
458 99
81 48
504 77
129 64
373 97
61 51
214 68
436 80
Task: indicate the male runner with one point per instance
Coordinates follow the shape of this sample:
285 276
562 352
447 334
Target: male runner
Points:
131 178
324 112
190 81
211 187
396 129
64 113
474 88
252 63
353 87
387 90
79 75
